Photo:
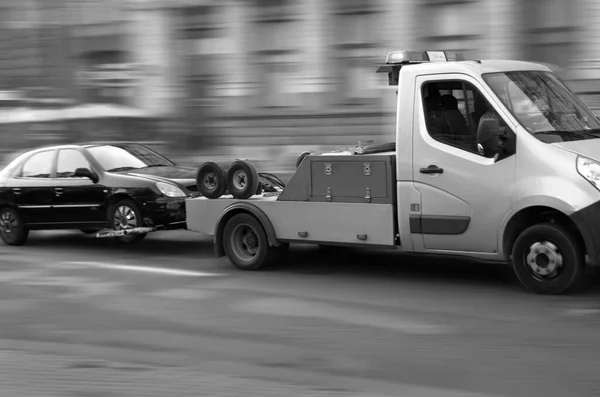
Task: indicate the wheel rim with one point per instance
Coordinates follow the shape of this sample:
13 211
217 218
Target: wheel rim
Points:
8 223
245 242
211 181
544 261
240 180
125 218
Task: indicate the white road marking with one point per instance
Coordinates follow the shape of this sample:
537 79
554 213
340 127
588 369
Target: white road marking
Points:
184 294
13 276
78 287
297 308
582 312
148 269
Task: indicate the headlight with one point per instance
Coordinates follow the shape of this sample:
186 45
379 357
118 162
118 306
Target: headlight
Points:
170 190
590 170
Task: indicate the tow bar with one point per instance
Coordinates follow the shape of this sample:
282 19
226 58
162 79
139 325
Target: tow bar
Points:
104 233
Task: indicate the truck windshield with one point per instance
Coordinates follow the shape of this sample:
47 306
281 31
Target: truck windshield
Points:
544 105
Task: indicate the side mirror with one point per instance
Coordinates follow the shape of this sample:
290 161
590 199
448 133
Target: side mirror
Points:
86 173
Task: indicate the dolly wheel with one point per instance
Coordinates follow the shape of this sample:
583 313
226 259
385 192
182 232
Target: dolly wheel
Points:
242 179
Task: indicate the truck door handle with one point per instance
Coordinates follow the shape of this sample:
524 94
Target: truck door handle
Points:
432 169
17 190
58 191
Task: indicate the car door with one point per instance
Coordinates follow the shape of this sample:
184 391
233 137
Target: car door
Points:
32 189
78 201
464 194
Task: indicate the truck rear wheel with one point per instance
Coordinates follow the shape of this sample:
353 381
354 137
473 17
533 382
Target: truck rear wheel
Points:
246 243
548 259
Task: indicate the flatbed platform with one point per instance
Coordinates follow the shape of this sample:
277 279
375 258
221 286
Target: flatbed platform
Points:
314 222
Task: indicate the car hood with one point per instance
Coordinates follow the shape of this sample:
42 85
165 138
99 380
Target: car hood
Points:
589 148
185 176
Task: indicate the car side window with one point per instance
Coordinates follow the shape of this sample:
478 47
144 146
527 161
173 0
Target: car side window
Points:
38 166
454 110
68 161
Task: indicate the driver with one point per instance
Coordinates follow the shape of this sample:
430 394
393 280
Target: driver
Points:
486 137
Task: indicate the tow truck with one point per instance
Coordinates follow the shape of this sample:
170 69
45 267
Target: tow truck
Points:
494 160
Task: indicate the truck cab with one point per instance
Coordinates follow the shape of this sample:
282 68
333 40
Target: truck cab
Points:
493 159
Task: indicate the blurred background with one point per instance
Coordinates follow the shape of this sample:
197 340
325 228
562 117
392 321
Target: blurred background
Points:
259 79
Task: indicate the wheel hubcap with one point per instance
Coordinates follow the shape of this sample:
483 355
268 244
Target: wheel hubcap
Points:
211 181
8 222
245 242
544 260
239 180
125 218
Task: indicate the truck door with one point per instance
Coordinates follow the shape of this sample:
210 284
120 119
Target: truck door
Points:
465 194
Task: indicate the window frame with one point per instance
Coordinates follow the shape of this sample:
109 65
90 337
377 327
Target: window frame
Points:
465 83
83 154
52 175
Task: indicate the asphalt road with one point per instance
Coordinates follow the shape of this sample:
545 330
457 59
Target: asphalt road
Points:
87 317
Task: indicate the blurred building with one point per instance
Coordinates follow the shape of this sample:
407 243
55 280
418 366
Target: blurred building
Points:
293 72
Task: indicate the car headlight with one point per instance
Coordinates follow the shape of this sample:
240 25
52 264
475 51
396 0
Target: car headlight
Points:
590 170
170 190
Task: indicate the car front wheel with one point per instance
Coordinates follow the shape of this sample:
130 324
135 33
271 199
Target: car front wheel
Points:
125 215
548 259
12 229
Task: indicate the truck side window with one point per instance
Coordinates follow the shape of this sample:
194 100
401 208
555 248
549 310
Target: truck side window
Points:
453 110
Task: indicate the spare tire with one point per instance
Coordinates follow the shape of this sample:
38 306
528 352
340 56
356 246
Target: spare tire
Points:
242 179
211 180
301 157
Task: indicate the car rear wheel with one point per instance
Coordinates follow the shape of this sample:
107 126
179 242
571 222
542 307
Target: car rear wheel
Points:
12 229
246 244
125 215
548 259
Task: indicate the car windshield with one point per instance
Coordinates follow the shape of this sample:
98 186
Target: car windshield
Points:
127 157
544 105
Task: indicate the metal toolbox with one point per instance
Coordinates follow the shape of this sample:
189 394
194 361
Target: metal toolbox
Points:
347 179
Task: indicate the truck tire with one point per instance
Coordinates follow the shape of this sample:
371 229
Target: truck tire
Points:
13 230
549 260
242 179
125 214
246 244
211 180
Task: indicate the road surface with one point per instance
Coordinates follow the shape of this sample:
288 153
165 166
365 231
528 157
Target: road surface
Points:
87 317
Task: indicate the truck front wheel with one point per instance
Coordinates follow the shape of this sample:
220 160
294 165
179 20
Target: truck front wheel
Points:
246 243
548 259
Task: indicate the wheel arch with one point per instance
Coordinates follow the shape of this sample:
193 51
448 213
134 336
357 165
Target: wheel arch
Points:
536 214
242 208
117 196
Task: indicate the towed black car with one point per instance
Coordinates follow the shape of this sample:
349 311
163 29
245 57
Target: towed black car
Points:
92 186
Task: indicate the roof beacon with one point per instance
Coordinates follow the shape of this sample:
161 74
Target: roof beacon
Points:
395 60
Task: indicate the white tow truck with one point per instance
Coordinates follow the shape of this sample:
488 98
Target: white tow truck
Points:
493 160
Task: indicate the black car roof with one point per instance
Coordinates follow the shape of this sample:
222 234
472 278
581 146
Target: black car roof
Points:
80 144
95 143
